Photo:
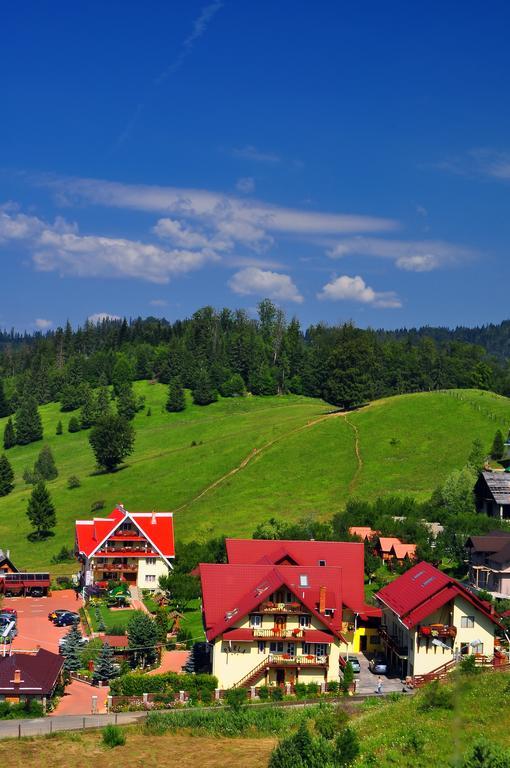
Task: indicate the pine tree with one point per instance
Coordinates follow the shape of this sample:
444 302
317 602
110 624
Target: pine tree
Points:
477 456
28 422
203 391
72 650
498 446
103 668
102 402
112 439
88 413
9 435
176 400
74 425
347 747
45 467
126 402
71 639
6 476
4 405
59 429
41 511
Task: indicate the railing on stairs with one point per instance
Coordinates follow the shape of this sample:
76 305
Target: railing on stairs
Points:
436 674
253 674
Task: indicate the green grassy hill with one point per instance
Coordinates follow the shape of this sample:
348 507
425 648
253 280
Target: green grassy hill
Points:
226 467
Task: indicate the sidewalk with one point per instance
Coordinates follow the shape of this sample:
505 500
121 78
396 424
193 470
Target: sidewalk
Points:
77 699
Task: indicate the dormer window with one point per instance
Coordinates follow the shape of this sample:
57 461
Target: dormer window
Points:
303 580
255 620
322 563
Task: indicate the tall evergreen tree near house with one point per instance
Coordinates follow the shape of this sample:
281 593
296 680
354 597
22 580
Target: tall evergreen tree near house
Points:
29 427
72 650
6 476
498 446
9 435
45 467
103 668
41 511
203 390
142 634
4 405
176 400
112 439
71 639
477 456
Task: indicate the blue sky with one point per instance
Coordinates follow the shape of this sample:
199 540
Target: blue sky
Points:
348 160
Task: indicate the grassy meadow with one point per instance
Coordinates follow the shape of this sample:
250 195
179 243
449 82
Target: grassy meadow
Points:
230 465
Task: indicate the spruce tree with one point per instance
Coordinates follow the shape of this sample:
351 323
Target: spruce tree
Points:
112 439
102 402
45 467
41 511
71 639
498 446
4 405
9 435
59 429
176 400
203 391
6 476
72 650
126 402
28 422
103 668
88 411
74 425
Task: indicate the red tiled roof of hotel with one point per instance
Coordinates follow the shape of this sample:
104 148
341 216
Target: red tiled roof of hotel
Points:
157 527
347 555
231 591
421 591
39 673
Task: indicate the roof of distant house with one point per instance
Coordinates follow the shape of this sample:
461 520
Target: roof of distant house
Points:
157 527
231 591
346 555
387 542
422 590
363 531
39 673
494 541
116 641
499 486
402 551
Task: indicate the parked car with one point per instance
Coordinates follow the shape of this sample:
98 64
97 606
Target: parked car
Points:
378 665
66 619
58 612
354 662
35 592
12 611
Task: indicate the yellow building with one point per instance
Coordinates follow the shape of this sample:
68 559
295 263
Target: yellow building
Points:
430 620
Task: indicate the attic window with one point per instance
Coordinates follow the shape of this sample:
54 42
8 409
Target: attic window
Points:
322 563
329 612
428 581
303 580
417 575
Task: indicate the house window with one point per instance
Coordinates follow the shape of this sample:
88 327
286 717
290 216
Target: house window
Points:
276 647
304 621
321 649
322 563
307 647
303 580
328 612
149 577
150 561
467 622
255 620
373 639
291 649
261 646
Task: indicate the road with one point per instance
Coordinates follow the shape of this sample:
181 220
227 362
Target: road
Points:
43 725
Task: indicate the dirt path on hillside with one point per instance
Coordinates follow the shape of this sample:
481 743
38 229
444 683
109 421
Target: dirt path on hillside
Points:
357 451
258 452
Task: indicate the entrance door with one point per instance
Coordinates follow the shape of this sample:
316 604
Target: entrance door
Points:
363 643
280 677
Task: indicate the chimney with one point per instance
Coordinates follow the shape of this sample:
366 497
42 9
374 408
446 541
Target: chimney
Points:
153 518
17 677
322 599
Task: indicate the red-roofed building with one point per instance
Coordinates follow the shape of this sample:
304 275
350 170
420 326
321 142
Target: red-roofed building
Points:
283 611
136 547
389 548
30 676
430 619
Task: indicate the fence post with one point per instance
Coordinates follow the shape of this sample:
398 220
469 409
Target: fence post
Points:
145 698
19 730
217 694
252 692
109 704
94 705
115 718
181 695
83 723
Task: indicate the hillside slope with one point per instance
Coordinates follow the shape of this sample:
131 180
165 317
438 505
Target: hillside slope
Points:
224 468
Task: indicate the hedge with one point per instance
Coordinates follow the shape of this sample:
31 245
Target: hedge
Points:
135 684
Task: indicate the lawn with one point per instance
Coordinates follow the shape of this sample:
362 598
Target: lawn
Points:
192 621
224 468
117 618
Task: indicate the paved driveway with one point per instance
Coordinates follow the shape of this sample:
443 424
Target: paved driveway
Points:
77 699
368 681
33 625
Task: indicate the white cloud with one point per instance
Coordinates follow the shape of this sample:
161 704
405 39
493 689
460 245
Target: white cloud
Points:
182 236
246 185
413 256
249 152
99 317
43 324
347 288
260 282
158 303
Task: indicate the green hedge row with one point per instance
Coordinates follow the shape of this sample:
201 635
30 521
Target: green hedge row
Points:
135 684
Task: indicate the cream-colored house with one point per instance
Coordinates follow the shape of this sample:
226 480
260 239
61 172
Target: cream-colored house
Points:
489 562
429 620
134 547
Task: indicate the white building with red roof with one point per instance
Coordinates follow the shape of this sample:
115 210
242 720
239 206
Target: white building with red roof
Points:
430 620
135 547
283 611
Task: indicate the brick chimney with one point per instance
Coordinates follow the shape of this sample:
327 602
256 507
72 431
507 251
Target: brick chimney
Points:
153 518
17 677
322 599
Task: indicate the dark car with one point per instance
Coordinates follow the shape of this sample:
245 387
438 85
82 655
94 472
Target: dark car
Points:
378 665
66 619
58 612
12 611
354 662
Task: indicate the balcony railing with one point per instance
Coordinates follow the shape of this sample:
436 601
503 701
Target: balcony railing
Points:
115 552
438 630
392 643
115 568
291 660
270 607
278 632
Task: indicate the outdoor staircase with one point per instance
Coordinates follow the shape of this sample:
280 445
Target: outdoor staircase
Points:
252 677
436 674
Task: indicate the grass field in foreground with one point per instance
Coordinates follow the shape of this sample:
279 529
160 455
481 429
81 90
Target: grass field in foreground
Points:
293 455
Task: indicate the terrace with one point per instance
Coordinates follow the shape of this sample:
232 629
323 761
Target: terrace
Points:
270 607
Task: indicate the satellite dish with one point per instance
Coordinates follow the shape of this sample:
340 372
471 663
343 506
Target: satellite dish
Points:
440 644
474 643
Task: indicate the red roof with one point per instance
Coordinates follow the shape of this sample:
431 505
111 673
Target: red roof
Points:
421 591
39 673
387 542
231 591
157 527
116 641
347 556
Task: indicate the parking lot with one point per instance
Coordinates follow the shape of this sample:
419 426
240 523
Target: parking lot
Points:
32 623
367 681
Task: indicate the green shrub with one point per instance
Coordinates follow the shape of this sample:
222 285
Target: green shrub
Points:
113 736
276 694
346 747
435 696
312 689
73 482
330 721
300 690
333 687
484 754
263 692
236 698
468 665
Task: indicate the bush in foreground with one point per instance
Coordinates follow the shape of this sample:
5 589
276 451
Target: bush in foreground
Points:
113 736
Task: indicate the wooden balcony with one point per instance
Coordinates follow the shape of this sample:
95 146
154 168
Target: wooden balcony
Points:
288 660
438 630
126 551
280 633
269 607
111 568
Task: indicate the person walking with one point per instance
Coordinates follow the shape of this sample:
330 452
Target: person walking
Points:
379 685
